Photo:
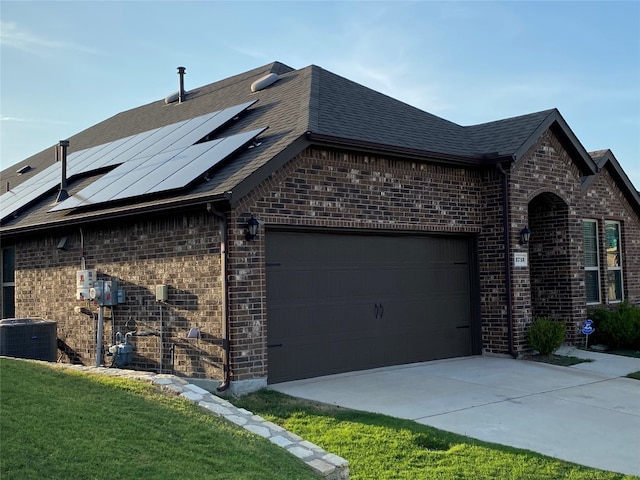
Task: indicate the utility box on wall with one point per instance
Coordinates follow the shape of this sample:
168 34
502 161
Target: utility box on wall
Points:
106 293
162 293
85 280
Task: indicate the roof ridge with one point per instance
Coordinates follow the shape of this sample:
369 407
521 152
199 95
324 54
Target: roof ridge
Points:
547 112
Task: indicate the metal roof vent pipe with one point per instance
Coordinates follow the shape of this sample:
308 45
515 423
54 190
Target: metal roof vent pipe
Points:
61 153
181 92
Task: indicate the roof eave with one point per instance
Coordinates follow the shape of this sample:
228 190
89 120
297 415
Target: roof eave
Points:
127 211
476 161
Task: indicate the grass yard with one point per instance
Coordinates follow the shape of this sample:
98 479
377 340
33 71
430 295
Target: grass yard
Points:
634 375
380 447
60 424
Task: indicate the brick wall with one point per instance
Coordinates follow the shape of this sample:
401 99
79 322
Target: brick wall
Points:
545 192
323 188
181 251
329 189
603 201
493 292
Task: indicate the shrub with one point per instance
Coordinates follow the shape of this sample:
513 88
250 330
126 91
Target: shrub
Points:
546 335
599 316
620 328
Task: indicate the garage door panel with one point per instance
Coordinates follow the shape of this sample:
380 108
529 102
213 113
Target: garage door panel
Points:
339 302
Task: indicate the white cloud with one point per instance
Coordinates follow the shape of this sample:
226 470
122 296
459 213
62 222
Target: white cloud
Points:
12 36
46 121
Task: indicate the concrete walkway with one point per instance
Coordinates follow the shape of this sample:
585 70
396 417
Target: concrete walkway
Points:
587 413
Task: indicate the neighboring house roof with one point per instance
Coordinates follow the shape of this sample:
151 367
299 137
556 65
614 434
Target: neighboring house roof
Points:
606 159
304 107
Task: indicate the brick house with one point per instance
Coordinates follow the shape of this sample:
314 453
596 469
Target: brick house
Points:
386 235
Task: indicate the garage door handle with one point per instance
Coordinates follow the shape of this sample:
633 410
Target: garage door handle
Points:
381 310
464 326
378 310
275 345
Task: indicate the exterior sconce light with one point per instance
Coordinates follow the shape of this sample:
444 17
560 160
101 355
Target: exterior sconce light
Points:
525 234
251 228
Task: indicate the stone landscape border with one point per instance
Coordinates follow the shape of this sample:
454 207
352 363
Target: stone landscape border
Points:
328 465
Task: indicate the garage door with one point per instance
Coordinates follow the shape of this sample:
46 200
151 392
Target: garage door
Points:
343 302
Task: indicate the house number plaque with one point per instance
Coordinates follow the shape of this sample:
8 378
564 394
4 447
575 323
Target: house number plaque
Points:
521 259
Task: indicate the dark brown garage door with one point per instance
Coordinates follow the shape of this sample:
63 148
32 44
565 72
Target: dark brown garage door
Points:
338 302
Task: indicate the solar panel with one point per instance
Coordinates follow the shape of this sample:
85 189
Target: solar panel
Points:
167 170
118 152
77 160
29 190
144 145
98 187
197 160
157 175
174 136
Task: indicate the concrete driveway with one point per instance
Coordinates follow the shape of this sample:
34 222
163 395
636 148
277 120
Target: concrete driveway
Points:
588 413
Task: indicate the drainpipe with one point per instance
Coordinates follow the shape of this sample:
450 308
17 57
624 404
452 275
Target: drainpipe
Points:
224 234
507 261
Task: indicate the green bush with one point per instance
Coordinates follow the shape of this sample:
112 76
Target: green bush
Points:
599 316
620 328
546 335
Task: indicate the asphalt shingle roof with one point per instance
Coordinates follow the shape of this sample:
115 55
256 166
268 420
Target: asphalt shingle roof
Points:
310 99
505 137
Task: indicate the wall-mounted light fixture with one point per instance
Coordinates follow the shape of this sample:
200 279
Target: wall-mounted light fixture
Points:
525 234
251 228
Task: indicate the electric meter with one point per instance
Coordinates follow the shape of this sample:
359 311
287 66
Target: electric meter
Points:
97 292
84 283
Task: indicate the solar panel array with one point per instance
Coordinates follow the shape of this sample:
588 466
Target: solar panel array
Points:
137 149
163 171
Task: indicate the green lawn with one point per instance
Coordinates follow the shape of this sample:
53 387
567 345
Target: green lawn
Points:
380 447
60 424
635 375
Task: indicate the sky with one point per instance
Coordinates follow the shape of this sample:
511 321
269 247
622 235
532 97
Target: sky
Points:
65 66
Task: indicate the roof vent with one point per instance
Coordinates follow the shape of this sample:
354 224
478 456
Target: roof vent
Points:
264 82
180 95
24 169
62 193
181 92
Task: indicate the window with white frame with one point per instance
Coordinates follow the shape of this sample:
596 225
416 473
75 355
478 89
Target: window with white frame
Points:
614 261
591 261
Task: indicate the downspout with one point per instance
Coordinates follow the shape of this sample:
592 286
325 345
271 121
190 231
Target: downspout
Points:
507 261
224 236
